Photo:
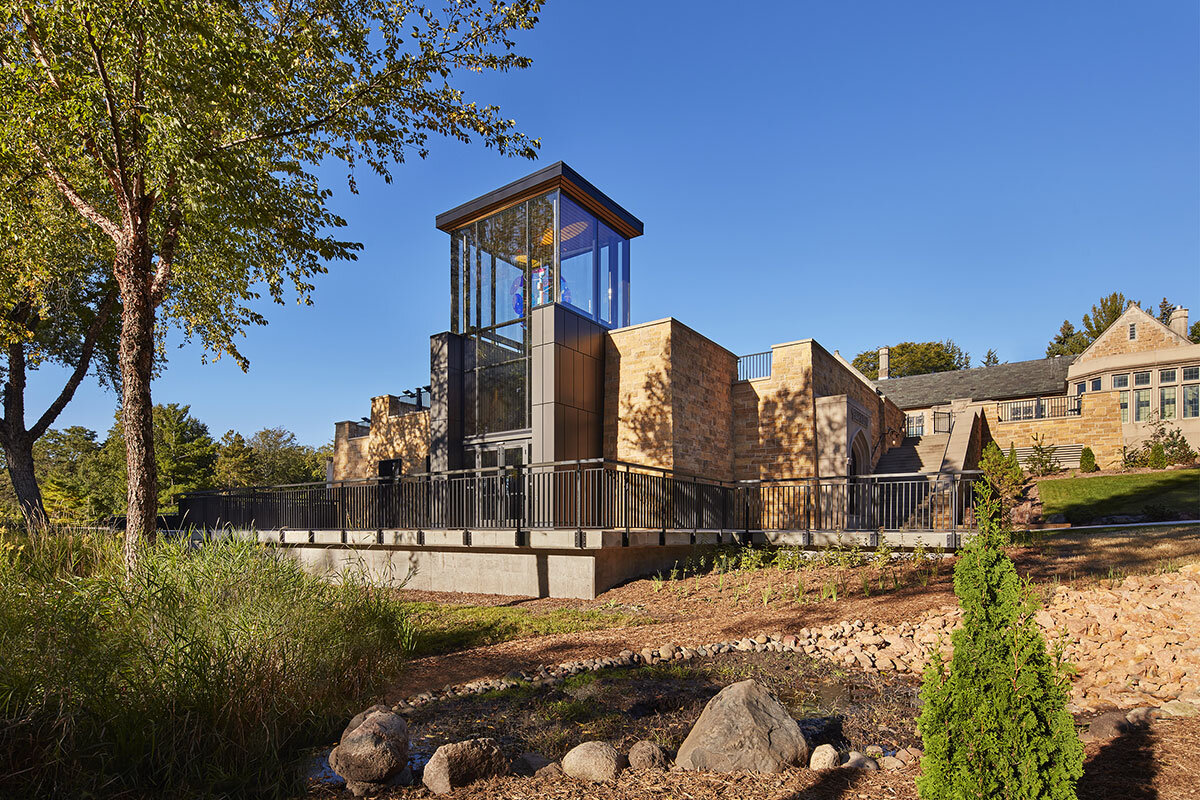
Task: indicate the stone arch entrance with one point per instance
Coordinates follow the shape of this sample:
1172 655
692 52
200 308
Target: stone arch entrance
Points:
860 456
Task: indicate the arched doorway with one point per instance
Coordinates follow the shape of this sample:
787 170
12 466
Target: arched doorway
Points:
859 490
860 456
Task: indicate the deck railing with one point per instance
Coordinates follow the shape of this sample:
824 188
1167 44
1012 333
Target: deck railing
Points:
755 365
593 494
1039 408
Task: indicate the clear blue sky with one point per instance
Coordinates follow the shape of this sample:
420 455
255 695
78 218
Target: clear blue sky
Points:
860 173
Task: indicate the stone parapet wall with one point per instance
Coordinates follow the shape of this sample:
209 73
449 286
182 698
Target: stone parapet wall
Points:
832 377
1098 426
349 452
395 433
774 418
668 399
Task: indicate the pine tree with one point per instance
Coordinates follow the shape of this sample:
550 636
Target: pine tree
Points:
995 723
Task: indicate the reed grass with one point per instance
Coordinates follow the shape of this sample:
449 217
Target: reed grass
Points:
205 672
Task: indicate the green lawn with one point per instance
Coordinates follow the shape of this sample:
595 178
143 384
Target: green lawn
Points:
1173 494
445 629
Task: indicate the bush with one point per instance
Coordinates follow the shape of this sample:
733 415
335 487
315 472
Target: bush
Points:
1158 457
1042 460
996 724
1004 475
1087 460
205 672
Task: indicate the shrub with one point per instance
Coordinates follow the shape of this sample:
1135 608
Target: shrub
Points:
1158 457
1087 460
1004 475
995 724
1042 460
205 672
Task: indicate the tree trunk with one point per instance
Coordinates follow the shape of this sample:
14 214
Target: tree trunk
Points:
18 452
137 363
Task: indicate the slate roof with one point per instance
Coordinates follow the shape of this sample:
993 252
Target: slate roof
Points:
1040 377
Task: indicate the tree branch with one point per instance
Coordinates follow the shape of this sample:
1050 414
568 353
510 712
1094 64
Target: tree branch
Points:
110 104
166 253
86 209
103 312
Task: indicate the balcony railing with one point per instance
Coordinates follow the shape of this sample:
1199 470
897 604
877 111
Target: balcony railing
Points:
755 365
593 494
1039 408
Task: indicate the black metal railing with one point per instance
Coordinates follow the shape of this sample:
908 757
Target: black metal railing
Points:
755 365
592 494
1039 408
943 421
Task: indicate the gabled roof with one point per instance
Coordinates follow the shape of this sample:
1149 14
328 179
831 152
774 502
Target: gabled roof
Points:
1134 310
1039 377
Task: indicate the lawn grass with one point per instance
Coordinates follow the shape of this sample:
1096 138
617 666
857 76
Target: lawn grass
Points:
444 629
1158 496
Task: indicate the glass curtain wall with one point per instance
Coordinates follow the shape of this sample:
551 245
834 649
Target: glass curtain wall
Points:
544 250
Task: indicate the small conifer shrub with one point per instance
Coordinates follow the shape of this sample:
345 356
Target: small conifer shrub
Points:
1087 460
1158 456
1042 460
995 723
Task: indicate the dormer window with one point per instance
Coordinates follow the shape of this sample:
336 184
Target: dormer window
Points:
1132 331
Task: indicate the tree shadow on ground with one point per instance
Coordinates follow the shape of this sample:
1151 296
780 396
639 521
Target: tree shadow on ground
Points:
1123 767
833 784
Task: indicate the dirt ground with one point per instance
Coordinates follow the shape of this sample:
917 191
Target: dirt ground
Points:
705 608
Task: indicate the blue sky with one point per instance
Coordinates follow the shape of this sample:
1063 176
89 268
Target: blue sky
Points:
861 173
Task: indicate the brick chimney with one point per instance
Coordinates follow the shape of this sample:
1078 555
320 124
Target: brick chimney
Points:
1179 321
883 360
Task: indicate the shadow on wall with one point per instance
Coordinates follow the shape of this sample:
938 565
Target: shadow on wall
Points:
644 424
774 433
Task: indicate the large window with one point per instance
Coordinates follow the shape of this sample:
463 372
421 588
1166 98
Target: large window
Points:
595 265
1191 401
1141 405
1166 402
1124 406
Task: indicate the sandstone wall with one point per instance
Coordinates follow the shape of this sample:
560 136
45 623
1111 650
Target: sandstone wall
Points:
1151 335
1097 427
350 453
667 399
832 377
393 434
774 418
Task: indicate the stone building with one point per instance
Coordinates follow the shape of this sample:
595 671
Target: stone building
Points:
1136 373
541 365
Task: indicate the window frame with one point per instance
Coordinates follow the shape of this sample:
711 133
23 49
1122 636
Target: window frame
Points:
1162 402
1138 376
1138 414
1124 401
1133 331
1163 373
1097 384
1120 381
1195 387
1194 376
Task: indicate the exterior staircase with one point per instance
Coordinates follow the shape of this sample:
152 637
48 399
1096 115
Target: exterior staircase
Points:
914 454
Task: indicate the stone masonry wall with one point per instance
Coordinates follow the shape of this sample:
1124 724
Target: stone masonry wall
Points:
350 453
831 377
774 418
667 399
397 434
1098 426
1151 335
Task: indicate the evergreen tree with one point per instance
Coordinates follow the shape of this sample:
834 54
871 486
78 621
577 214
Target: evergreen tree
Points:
1067 342
236 464
995 723
990 359
1087 460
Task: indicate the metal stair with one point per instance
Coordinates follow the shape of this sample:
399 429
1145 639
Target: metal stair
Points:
914 454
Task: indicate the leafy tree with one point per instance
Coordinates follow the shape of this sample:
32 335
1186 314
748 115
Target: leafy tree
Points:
1104 314
281 459
990 359
70 476
236 465
995 724
914 358
57 306
1068 341
188 134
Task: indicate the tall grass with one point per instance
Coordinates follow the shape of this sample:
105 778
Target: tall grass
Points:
206 672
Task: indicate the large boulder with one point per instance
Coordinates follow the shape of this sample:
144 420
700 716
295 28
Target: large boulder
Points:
648 755
463 763
825 757
593 761
373 748
743 728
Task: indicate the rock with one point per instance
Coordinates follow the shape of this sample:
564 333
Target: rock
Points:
370 789
527 764
373 748
1179 708
825 757
891 763
859 761
873 750
551 770
648 755
743 728
1141 716
593 761
1107 726
463 763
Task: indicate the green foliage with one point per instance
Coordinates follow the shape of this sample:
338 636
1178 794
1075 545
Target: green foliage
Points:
914 358
1042 461
1004 475
203 672
1087 460
1194 332
994 721
1158 456
1067 342
280 459
236 465
990 359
